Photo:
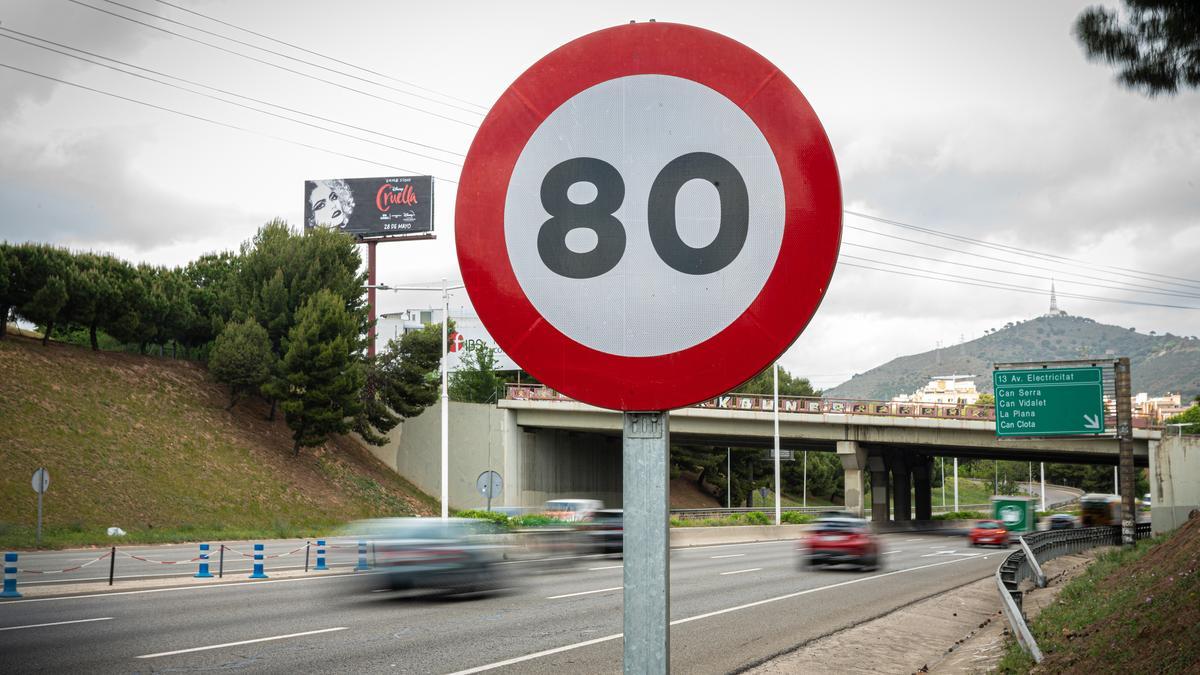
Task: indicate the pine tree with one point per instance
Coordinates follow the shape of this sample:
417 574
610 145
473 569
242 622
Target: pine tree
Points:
241 358
1157 49
322 371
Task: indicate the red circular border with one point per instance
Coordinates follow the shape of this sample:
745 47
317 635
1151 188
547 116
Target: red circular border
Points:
794 289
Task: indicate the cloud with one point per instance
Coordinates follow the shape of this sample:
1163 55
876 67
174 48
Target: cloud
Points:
82 191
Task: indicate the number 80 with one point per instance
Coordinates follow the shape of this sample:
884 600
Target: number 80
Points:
597 216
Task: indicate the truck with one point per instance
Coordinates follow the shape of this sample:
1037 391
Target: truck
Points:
1099 509
1017 514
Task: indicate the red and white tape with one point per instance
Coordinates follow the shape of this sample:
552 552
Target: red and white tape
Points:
67 569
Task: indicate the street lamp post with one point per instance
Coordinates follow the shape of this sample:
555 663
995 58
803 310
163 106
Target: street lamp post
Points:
445 398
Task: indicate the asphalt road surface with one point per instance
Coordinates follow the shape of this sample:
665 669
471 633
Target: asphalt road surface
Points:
731 606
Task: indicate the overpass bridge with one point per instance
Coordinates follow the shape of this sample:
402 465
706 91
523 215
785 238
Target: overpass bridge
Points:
891 444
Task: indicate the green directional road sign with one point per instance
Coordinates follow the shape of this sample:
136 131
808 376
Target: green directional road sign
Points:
1049 401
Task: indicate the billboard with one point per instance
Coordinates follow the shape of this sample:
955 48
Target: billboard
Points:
370 207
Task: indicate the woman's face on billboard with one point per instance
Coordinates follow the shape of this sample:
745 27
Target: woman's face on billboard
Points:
327 207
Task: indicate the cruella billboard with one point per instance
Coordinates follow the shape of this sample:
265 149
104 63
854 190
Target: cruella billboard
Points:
370 207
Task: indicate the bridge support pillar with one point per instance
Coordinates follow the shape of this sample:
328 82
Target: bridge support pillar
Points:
922 468
854 461
879 486
901 492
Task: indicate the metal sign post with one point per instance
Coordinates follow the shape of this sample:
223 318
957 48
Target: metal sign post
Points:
644 451
41 481
1124 392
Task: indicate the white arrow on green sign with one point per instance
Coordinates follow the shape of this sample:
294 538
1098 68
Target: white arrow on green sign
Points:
1049 401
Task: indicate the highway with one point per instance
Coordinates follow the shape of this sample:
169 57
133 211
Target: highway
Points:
731 606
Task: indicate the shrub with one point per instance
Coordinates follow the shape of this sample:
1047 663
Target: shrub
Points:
491 516
797 518
757 518
533 520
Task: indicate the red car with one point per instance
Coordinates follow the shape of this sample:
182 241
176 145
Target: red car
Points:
989 532
840 540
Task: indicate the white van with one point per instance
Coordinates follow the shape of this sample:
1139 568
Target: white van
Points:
572 510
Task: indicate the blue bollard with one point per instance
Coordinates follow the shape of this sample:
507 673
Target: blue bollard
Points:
362 557
258 563
203 573
10 576
321 566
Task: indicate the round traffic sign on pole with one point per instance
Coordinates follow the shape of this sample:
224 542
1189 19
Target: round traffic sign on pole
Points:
648 216
41 481
489 484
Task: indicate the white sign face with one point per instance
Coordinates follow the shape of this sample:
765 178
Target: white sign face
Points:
41 480
694 187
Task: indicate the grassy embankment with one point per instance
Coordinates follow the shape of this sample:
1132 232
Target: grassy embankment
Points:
1134 610
145 444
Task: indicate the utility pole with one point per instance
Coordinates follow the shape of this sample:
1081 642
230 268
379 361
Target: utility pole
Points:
956 484
445 396
778 492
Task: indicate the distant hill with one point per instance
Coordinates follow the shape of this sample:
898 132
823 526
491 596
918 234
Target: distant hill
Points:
145 443
1160 363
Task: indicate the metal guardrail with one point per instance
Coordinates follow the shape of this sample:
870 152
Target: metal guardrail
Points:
697 514
809 404
1044 546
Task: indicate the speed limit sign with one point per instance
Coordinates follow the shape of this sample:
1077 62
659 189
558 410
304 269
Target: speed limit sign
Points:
648 216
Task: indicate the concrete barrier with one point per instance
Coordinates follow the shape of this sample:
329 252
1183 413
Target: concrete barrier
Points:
683 537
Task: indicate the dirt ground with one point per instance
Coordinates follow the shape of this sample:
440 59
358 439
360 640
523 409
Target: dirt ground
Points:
961 631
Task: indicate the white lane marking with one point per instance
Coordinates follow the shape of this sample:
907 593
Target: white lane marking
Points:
609 567
727 555
617 636
891 552
950 552
917 539
57 623
207 587
243 642
752 569
228 570
571 595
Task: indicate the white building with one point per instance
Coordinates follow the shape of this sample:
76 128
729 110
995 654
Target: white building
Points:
954 389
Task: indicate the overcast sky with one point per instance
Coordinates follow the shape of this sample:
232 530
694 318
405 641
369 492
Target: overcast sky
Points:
978 120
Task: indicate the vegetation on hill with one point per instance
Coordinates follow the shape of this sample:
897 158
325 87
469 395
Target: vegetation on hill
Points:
1135 610
1159 363
304 290
147 444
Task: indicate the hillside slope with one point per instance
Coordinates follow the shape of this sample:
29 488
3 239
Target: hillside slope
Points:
1160 364
146 444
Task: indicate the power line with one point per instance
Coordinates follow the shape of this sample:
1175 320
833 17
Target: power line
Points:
999 285
285 56
1074 262
1019 274
223 100
275 65
235 94
207 120
324 56
986 257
